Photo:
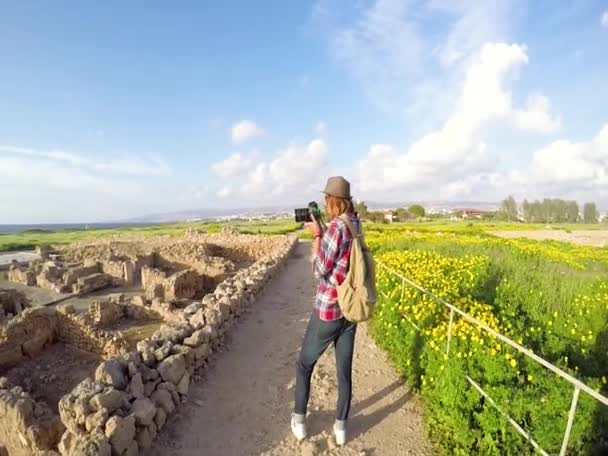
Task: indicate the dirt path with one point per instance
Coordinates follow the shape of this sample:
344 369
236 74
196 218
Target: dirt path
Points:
595 238
242 404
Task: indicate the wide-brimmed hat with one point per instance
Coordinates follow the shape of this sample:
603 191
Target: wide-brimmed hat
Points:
337 186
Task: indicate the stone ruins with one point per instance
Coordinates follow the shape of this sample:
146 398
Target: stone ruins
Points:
104 380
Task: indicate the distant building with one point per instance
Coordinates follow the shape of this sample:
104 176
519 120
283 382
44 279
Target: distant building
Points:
469 213
390 216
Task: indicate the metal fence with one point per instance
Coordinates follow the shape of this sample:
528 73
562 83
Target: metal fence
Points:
578 385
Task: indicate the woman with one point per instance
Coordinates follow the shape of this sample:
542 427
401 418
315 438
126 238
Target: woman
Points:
331 252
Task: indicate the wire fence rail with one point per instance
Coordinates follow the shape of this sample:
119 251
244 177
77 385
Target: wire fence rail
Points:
577 384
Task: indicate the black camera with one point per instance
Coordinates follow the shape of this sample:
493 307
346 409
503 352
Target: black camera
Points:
306 214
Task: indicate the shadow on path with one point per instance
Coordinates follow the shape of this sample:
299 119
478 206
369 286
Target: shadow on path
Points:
360 422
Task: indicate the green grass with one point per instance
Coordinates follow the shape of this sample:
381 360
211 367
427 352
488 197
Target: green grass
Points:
30 239
476 226
472 227
549 296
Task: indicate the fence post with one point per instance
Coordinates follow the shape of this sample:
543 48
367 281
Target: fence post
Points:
570 420
447 349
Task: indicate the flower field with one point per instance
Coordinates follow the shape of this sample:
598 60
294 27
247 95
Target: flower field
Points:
550 297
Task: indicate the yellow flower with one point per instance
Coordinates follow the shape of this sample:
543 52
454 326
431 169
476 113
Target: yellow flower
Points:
513 363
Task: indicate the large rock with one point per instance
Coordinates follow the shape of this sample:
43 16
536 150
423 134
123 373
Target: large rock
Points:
144 439
121 433
172 369
112 373
74 407
149 374
144 411
97 420
164 399
164 351
188 353
212 317
136 387
192 308
175 332
184 384
161 418
197 338
197 321
150 386
95 444
201 352
111 400
147 349
133 449
92 282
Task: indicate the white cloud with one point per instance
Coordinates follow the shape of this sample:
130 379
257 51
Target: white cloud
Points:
58 186
235 165
224 192
391 50
604 20
133 166
536 116
296 170
564 163
473 23
457 149
244 131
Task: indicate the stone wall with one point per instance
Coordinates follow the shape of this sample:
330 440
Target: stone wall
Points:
77 330
61 277
184 284
153 280
27 427
29 333
26 335
121 410
12 303
132 394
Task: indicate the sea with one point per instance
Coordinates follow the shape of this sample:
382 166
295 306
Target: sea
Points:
4 229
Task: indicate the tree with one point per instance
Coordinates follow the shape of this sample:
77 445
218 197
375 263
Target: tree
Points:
403 214
508 209
417 210
590 213
572 212
527 210
361 209
376 217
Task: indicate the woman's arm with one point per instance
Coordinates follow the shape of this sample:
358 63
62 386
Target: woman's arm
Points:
326 251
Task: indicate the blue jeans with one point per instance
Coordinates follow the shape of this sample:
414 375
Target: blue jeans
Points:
319 334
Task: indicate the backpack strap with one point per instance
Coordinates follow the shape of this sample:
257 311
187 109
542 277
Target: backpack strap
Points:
346 220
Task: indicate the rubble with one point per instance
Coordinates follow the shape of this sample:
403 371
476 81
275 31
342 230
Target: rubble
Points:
156 377
26 427
127 399
12 303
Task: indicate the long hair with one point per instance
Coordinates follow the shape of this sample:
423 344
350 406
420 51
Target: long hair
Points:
335 206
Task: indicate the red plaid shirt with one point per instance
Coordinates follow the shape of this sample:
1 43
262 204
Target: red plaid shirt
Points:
331 265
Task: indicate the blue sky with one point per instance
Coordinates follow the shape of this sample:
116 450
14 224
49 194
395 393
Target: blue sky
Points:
110 110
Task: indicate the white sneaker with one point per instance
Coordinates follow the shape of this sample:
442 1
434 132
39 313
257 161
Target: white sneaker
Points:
340 436
298 429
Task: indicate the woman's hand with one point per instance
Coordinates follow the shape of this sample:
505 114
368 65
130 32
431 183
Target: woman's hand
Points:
314 229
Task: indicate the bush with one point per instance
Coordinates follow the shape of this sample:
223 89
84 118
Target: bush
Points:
549 297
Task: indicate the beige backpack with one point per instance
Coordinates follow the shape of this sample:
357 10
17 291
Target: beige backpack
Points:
357 294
